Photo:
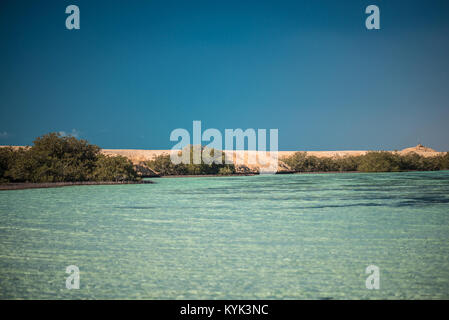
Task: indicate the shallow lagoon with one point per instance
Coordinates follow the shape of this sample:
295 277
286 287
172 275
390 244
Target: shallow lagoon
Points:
307 236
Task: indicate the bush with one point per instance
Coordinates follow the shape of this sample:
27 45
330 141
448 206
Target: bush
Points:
380 161
349 163
20 165
163 165
54 158
116 168
374 161
225 171
6 160
301 162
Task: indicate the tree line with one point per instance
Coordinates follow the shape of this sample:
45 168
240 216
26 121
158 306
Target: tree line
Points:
373 161
163 165
56 158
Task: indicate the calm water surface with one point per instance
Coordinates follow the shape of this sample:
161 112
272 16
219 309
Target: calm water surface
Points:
261 237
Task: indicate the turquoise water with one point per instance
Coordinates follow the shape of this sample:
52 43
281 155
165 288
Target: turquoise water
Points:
262 237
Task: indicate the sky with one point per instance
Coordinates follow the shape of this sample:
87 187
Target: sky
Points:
137 70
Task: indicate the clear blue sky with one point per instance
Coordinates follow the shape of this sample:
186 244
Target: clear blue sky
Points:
136 70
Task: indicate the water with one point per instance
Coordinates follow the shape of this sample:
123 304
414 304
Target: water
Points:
261 237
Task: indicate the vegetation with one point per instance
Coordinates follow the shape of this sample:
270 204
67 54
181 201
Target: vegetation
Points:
163 165
374 161
54 158
117 168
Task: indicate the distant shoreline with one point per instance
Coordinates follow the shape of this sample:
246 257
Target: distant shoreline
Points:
281 174
207 175
36 185
31 185
249 174
141 158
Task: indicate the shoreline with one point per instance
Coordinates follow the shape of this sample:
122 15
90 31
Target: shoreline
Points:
248 174
39 185
32 185
283 173
208 175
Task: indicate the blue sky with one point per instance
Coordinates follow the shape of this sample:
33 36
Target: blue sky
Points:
136 70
